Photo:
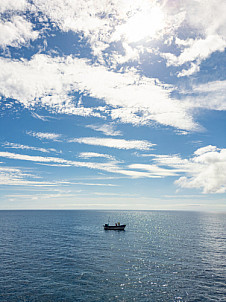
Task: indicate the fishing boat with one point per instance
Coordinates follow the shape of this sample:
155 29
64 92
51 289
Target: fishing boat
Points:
117 226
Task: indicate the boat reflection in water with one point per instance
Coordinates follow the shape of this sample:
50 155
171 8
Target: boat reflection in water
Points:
117 227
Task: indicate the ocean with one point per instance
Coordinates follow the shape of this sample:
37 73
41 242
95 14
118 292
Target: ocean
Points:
48 256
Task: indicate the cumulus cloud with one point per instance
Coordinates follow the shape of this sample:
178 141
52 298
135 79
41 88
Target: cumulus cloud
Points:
187 72
136 99
205 170
209 23
206 149
12 5
199 49
49 85
129 97
108 32
209 32
16 32
114 143
103 23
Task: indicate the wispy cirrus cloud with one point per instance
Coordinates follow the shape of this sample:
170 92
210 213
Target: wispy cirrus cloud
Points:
106 129
38 196
156 171
111 166
45 135
205 170
210 95
88 155
40 117
17 177
94 184
114 143
24 147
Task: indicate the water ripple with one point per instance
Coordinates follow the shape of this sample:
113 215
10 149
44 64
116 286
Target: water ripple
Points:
67 256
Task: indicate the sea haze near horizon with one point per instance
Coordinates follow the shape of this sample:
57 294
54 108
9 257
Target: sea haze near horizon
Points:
58 255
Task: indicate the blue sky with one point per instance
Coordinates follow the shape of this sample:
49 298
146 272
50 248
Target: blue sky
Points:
113 104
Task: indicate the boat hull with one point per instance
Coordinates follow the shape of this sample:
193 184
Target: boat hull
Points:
115 227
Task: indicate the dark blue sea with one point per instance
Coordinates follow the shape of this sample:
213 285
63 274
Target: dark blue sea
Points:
67 256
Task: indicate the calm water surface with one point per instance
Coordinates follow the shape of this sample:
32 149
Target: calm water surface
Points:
67 256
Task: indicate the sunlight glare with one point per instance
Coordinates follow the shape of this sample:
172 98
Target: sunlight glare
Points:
144 24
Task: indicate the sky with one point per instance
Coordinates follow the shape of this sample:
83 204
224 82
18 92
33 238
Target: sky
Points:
112 104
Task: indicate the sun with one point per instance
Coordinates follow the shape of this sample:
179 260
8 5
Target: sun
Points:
143 24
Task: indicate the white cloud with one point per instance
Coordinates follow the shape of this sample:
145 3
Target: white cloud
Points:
206 170
12 5
93 184
114 143
16 32
47 86
33 158
210 87
103 22
210 22
198 50
156 171
45 135
146 21
206 149
39 196
111 167
40 117
187 72
107 129
136 99
14 176
210 95
24 147
209 32
95 155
